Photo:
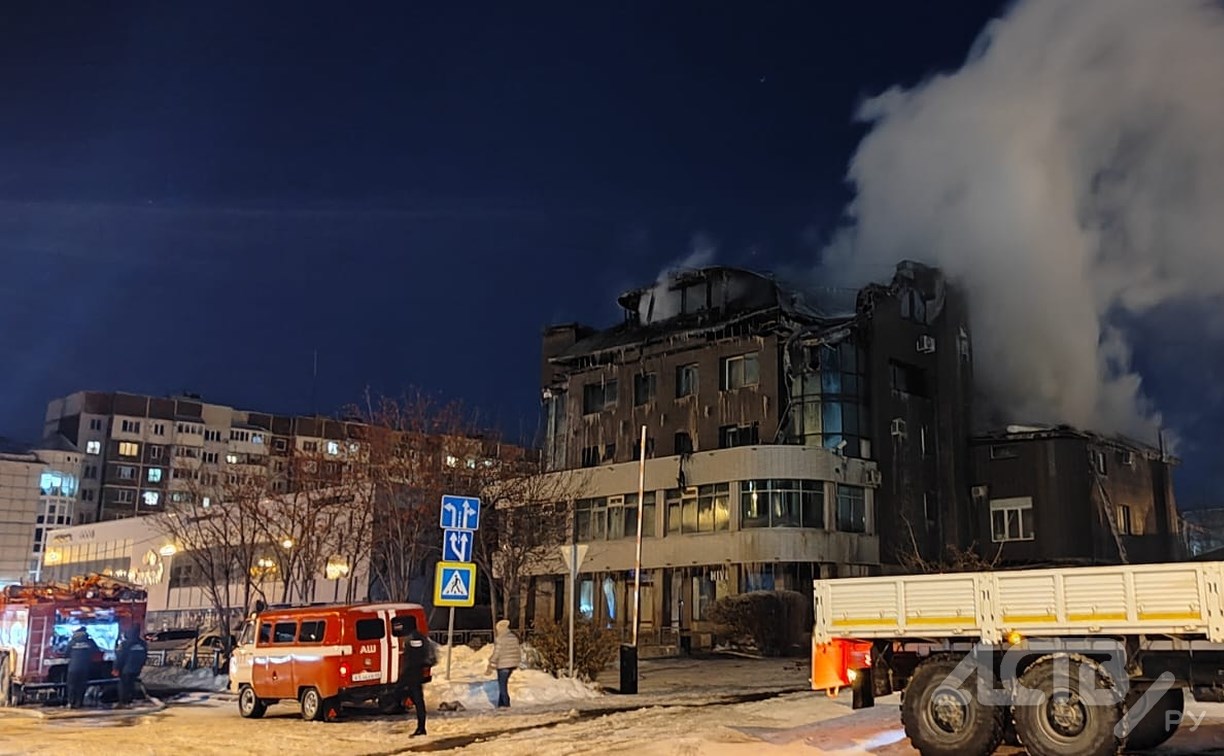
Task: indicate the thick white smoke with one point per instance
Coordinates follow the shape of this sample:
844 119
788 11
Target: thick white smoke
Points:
1070 175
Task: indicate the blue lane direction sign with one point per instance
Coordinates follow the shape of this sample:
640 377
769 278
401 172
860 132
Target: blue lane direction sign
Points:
454 584
460 513
457 545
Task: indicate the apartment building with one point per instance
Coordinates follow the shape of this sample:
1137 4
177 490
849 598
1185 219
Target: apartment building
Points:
1060 495
790 435
38 490
138 450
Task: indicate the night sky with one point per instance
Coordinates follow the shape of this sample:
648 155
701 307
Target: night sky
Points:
197 196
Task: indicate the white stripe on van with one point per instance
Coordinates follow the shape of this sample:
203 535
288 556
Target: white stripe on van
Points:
386 652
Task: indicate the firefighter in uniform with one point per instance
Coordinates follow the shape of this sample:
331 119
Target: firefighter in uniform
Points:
81 653
416 657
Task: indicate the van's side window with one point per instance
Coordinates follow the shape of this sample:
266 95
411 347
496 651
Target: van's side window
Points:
285 632
311 631
265 633
371 629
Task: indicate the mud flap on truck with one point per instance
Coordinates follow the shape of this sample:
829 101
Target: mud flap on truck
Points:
844 663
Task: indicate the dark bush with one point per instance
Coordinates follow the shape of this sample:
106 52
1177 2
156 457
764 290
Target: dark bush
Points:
772 622
594 648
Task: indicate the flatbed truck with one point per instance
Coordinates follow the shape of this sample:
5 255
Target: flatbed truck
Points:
1080 661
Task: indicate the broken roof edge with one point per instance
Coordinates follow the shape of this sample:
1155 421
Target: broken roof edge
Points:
1018 432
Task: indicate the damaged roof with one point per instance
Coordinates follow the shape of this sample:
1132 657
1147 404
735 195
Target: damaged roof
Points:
741 295
1042 432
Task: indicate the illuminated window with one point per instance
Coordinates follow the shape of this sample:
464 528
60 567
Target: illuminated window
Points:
452 460
333 447
155 475
151 498
257 438
129 449
125 472
231 459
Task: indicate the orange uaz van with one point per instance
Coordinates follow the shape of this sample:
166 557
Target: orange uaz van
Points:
320 657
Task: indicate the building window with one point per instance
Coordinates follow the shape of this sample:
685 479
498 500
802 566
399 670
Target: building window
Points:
210 457
704 509
187 452
686 380
1124 520
740 372
130 426
333 447
159 429
907 379
87 494
828 401
91 472
95 423
125 495
596 397
280 444
93 447
1098 462
851 509
782 504
212 434
683 443
155 452
705 593
637 448
257 438
151 498
1011 519
129 449
730 436
155 475
590 456
231 458
644 385
310 446
1003 452
125 472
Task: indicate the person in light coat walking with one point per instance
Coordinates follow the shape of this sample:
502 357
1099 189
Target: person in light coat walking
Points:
507 656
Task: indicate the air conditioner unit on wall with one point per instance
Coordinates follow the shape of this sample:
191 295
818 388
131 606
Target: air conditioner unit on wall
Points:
898 427
873 477
980 492
926 345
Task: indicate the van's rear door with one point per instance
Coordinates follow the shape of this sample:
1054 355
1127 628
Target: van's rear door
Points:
371 662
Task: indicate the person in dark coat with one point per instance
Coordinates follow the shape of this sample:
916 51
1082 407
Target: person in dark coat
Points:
129 661
81 653
413 661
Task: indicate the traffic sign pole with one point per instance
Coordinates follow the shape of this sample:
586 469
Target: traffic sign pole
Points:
450 640
459 517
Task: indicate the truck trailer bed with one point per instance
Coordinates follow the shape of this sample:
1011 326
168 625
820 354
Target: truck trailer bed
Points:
1182 599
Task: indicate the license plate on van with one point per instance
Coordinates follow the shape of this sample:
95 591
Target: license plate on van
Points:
363 676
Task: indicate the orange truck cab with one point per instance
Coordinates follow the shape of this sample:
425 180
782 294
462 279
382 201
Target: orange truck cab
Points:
321 657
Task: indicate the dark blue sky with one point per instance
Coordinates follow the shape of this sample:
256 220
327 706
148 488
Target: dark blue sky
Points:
196 196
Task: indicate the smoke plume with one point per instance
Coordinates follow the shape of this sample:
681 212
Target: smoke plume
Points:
1070 176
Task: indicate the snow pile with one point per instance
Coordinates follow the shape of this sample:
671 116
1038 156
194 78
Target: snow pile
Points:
178 678
476 690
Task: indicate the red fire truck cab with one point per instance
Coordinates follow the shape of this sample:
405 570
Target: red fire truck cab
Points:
37 621
321 657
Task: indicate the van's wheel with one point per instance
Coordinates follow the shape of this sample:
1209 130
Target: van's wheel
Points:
1055 716
944 717
250 706
312 705
1152 727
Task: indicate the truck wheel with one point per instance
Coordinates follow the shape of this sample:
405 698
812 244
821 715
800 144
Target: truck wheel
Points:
944 717
312 705
1154 726
249 705
1061 718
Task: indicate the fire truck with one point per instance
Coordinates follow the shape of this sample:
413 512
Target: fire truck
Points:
37 621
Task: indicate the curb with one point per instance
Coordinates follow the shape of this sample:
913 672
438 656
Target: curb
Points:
55 714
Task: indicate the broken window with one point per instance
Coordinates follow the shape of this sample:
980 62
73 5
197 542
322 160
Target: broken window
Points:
705 509
590 456
1003 452
913 306
1011 519
686 380
1098 461
782 504
683 443
730 436
1124 520
637 449
741 371
907 379
596 397
643 388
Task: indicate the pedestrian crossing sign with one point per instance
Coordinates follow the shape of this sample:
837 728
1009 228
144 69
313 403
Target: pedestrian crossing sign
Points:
454 584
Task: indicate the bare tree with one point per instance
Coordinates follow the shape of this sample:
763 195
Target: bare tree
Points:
954 558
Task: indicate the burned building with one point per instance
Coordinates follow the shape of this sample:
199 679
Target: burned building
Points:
789 436
1064 496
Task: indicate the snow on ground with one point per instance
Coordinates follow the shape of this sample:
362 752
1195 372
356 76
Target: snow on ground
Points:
476 690
177 678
